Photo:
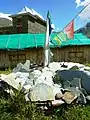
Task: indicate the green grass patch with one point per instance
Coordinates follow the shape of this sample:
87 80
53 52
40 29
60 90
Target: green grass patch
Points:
16 108
87 64
7 71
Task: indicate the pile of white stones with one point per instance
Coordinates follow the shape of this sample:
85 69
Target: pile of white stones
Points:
38 82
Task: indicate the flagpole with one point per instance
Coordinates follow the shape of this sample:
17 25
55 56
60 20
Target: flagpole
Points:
46 46
76 16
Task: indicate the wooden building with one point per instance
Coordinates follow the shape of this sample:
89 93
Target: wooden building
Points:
74 50
15 48
24 40
26 21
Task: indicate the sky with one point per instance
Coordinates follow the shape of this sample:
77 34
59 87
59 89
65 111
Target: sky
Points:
62 11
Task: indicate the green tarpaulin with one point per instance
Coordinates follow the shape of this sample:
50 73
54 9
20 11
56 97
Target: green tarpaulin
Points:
79 39
24 41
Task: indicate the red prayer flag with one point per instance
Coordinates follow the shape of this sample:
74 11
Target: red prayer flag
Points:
69 30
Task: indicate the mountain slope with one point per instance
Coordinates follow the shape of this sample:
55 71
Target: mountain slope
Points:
85 30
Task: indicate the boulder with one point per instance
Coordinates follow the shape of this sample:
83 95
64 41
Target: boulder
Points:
41 92
69 97
26 67
18 68
69 75
58 96
22 67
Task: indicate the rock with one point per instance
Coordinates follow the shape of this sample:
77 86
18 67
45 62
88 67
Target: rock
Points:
88 98
69 97
16 80
82 99
57 103
57 88
87 68
45 77
27 87
76 82
33 76
66 84
22 75
71 65
27 98
18 68
74 90
22 67
58 96
41 92
79 94
54 66
70 81
10 80
63 65
23 78
26 67
69 75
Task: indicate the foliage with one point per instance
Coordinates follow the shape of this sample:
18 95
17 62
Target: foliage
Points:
16 108
7 71
74 68
87 64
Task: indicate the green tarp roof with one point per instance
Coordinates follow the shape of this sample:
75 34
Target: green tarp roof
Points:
24 41
79 39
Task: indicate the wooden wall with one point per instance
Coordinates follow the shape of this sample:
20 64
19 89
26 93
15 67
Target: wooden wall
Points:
12 58
79 54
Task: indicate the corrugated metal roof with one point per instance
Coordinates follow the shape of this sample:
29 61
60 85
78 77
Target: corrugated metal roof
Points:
79 39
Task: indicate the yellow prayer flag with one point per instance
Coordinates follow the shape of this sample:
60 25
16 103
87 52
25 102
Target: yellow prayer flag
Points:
57 39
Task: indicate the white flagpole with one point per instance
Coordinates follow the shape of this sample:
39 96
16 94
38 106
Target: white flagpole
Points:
46 47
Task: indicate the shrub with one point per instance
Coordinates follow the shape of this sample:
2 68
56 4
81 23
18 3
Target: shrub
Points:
16 108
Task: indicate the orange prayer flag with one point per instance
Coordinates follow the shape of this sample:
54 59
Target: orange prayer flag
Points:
69 30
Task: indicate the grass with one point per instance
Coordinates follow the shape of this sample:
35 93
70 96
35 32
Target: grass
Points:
87 64
16 108
8 71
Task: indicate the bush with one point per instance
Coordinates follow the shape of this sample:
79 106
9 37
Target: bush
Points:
16 108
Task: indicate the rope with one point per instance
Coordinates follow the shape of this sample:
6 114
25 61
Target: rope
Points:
8 41
76 15
35 40
19 42
78 39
